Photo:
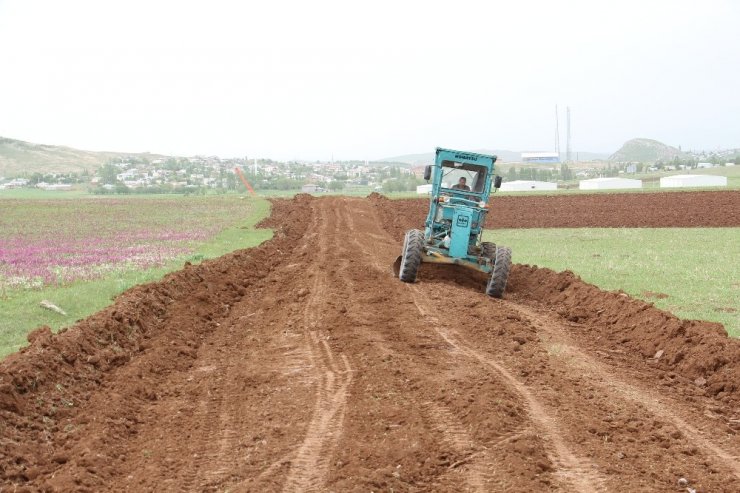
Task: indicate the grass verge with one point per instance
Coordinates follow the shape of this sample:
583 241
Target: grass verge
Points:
691 272
20 311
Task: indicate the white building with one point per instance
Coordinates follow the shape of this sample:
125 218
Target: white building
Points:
540 157
56 187
609 184
527 186
704 165
424 189
680 181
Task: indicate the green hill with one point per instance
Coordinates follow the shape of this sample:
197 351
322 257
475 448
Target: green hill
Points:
18 157
646 151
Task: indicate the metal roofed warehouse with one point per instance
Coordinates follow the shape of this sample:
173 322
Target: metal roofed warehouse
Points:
540 157
527 186
680 181
609 184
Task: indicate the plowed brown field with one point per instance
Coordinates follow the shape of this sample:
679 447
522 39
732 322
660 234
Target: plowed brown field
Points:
303 365
607 210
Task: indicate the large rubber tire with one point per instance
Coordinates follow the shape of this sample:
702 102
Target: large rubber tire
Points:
488 250
413 245
500 273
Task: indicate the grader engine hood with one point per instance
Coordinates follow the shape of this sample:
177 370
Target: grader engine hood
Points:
462 221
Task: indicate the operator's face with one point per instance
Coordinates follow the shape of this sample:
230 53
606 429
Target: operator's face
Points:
462 181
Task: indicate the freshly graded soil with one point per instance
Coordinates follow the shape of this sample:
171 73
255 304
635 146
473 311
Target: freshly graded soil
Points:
304 365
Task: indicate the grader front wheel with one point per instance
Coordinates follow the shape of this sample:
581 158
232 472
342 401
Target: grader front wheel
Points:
411 259
500 273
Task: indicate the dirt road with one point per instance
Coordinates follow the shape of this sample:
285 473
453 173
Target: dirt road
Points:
303 365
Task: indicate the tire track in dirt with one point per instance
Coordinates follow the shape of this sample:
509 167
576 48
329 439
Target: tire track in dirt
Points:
477 468
598 374
577 472
476 462
210 409
310 466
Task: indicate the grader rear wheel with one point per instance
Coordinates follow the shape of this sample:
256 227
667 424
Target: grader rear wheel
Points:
488 250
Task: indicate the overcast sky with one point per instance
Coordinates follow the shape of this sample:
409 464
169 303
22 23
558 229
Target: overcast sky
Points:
365 80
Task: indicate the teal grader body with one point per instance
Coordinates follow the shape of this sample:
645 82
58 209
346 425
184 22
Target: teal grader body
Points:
462 183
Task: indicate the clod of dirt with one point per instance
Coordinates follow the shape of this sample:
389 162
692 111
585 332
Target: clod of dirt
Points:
48 305
652 294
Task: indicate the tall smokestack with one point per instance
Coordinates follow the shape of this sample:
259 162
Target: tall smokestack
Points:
557 132
567 145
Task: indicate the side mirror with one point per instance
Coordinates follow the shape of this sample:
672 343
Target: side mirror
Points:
497 182
427 172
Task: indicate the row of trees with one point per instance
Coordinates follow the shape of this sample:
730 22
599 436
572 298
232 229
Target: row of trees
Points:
540 174
405 183
692 162
66 178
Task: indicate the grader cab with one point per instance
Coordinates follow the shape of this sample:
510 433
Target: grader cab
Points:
462 183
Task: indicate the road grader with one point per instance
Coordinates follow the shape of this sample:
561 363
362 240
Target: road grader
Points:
461 184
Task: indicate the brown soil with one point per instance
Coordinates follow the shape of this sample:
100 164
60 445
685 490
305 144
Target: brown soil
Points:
606 210
653 294
303 365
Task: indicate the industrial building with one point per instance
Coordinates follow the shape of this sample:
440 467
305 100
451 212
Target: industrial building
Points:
425 189
540 157
609 184
527 186
680 181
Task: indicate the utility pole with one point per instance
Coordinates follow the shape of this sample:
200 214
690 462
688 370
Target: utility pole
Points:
567 145
557 132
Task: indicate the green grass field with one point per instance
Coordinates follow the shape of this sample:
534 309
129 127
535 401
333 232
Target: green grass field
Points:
697 268
20 311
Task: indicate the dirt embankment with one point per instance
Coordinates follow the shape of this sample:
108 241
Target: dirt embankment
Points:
303 365
606 210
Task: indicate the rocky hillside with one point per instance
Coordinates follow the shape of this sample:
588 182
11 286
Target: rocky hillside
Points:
645 151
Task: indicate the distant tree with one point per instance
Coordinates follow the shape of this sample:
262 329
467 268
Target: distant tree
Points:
336 185
108 174
230 181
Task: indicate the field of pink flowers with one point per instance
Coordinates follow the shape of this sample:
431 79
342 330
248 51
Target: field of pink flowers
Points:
55 242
